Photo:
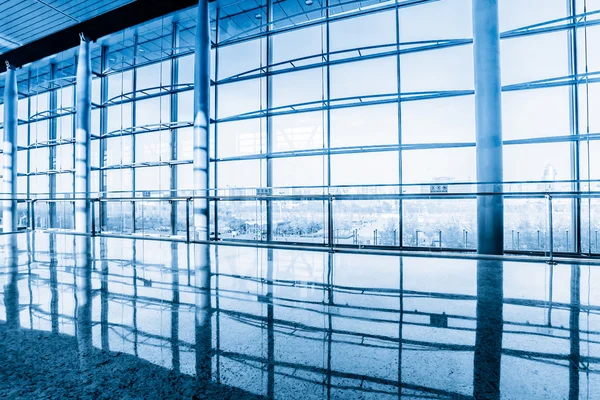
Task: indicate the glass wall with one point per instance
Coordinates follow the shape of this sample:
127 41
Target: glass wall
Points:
330 125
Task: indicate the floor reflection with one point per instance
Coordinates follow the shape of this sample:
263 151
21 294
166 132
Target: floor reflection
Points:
292 324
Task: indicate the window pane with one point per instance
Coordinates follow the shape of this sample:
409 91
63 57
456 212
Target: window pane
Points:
444 69
363 126
288 90
439 165
153 111
445 120
299 171
241 97
299 131
445 19
535 162
238 138
153 146
534 57
535 113
364 168
298 43
368 30
361 78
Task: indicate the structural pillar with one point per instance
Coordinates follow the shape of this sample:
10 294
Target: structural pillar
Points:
488 119
9 170
83 222
201 203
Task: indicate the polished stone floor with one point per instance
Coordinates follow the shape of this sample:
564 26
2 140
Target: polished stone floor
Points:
292 324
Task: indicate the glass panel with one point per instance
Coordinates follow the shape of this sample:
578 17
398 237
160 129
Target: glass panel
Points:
299 131
287 90
153 111
153 146
443 69
241 97
298 43
535 113
445 19
439 165
362 78
299 221
534 57
364 168
446 223
299 171
153 75
364 126
537 162
364 31
445 120
241 57
239 138
366 222
241 174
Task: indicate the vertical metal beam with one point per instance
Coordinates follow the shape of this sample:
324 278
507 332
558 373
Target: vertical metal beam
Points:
399 87
133 122
574 125
216 127
103 129
488 119
201 209
174 134
330 228
53 94
269 202
9 147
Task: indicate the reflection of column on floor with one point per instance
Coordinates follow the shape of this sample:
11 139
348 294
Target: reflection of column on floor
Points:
400 321
104 295
330 302
11 287
83 264
488 337
53 282
175 307
203 313
270 328
575 355
134 266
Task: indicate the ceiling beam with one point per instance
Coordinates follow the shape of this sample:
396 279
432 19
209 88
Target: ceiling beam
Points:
121 18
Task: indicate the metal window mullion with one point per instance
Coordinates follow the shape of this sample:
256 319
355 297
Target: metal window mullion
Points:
269 127
174 132
28 151
133 123
216 128
398 82
330 238
53 104
103 129
574 126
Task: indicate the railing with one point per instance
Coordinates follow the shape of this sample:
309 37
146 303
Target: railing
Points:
539 216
